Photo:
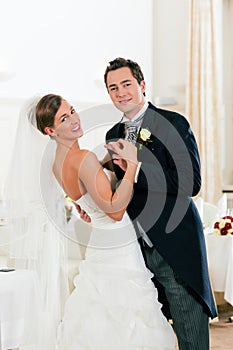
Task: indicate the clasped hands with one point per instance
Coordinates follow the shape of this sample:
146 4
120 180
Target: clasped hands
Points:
123 153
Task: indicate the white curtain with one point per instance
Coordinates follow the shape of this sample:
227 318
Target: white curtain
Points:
204 90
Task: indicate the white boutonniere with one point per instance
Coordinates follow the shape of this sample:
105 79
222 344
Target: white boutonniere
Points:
144 137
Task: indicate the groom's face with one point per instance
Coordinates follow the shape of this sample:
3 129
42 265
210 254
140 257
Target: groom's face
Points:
125 91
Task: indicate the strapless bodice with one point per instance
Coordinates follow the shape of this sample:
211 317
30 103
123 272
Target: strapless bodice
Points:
98 217
105 232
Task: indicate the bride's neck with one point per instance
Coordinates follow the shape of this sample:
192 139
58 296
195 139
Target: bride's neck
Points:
67 145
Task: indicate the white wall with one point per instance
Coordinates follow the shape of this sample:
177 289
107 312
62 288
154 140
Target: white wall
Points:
63 46
9 111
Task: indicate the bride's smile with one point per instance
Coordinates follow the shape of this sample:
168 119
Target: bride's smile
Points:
76 128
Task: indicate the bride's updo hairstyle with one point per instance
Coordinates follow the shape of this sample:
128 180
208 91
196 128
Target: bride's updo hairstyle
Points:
46 110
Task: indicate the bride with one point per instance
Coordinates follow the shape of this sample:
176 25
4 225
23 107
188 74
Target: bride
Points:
114 304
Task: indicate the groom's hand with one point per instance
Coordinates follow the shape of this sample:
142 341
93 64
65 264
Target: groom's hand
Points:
83 215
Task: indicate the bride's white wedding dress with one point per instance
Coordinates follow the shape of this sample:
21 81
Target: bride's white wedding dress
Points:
114 304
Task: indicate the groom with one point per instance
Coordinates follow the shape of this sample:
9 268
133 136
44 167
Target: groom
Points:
162 210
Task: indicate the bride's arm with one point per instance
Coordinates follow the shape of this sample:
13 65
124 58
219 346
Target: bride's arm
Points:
97 184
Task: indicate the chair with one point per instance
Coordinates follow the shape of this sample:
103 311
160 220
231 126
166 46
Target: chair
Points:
209 214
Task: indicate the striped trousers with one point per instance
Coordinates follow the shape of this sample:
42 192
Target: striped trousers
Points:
190 322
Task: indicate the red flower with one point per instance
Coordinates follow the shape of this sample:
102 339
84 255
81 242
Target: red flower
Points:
228 226
216 225
223 231
228 217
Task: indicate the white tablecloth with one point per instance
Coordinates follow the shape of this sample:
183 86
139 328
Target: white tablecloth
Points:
220 259
19 303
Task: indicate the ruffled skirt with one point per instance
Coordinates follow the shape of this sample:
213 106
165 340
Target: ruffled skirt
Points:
114 305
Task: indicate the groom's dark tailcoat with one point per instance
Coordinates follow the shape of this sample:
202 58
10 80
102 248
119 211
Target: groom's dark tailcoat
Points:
162 205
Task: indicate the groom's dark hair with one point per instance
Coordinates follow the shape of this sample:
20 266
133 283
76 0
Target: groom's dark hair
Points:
123 62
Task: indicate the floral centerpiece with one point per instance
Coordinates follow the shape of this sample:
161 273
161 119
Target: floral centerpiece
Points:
224 226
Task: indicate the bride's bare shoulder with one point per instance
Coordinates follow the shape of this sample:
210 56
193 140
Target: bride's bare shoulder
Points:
84 156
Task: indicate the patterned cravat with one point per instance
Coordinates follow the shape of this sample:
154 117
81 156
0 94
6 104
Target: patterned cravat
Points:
132 127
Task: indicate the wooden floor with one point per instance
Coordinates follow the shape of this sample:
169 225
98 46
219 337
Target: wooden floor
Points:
221 329
221 332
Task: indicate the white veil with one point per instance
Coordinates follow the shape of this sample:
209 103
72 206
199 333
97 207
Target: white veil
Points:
33 201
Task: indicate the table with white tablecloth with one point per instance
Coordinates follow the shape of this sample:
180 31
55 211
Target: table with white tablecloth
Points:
220 260
19 305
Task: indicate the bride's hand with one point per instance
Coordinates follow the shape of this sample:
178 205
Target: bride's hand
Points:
83 215
124 150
